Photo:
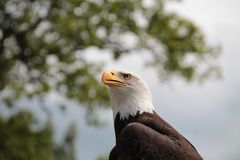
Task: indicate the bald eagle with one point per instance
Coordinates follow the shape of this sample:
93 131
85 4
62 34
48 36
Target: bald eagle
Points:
141 134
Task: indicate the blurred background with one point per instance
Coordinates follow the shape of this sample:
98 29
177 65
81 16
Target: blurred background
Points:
52 54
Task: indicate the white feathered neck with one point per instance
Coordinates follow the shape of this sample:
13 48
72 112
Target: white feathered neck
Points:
131 100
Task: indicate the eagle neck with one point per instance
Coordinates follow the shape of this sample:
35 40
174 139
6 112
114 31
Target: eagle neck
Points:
127 105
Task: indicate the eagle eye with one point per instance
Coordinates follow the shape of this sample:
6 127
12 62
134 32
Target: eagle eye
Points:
127 76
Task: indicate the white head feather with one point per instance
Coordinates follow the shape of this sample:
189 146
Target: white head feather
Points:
132 98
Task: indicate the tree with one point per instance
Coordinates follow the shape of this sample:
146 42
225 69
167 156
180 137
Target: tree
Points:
42 44
19 141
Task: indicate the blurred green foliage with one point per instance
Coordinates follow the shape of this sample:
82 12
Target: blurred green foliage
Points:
103 158
19 141
42 45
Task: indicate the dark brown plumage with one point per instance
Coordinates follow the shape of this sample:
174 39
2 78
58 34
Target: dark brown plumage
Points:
147 136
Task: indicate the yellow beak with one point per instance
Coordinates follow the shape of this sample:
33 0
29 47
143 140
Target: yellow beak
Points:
111 78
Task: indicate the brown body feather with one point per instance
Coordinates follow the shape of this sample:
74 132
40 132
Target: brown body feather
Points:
147 136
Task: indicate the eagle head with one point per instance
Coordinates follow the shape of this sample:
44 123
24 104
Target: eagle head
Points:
129 94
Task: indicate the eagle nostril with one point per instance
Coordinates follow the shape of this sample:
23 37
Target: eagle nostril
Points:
112 73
